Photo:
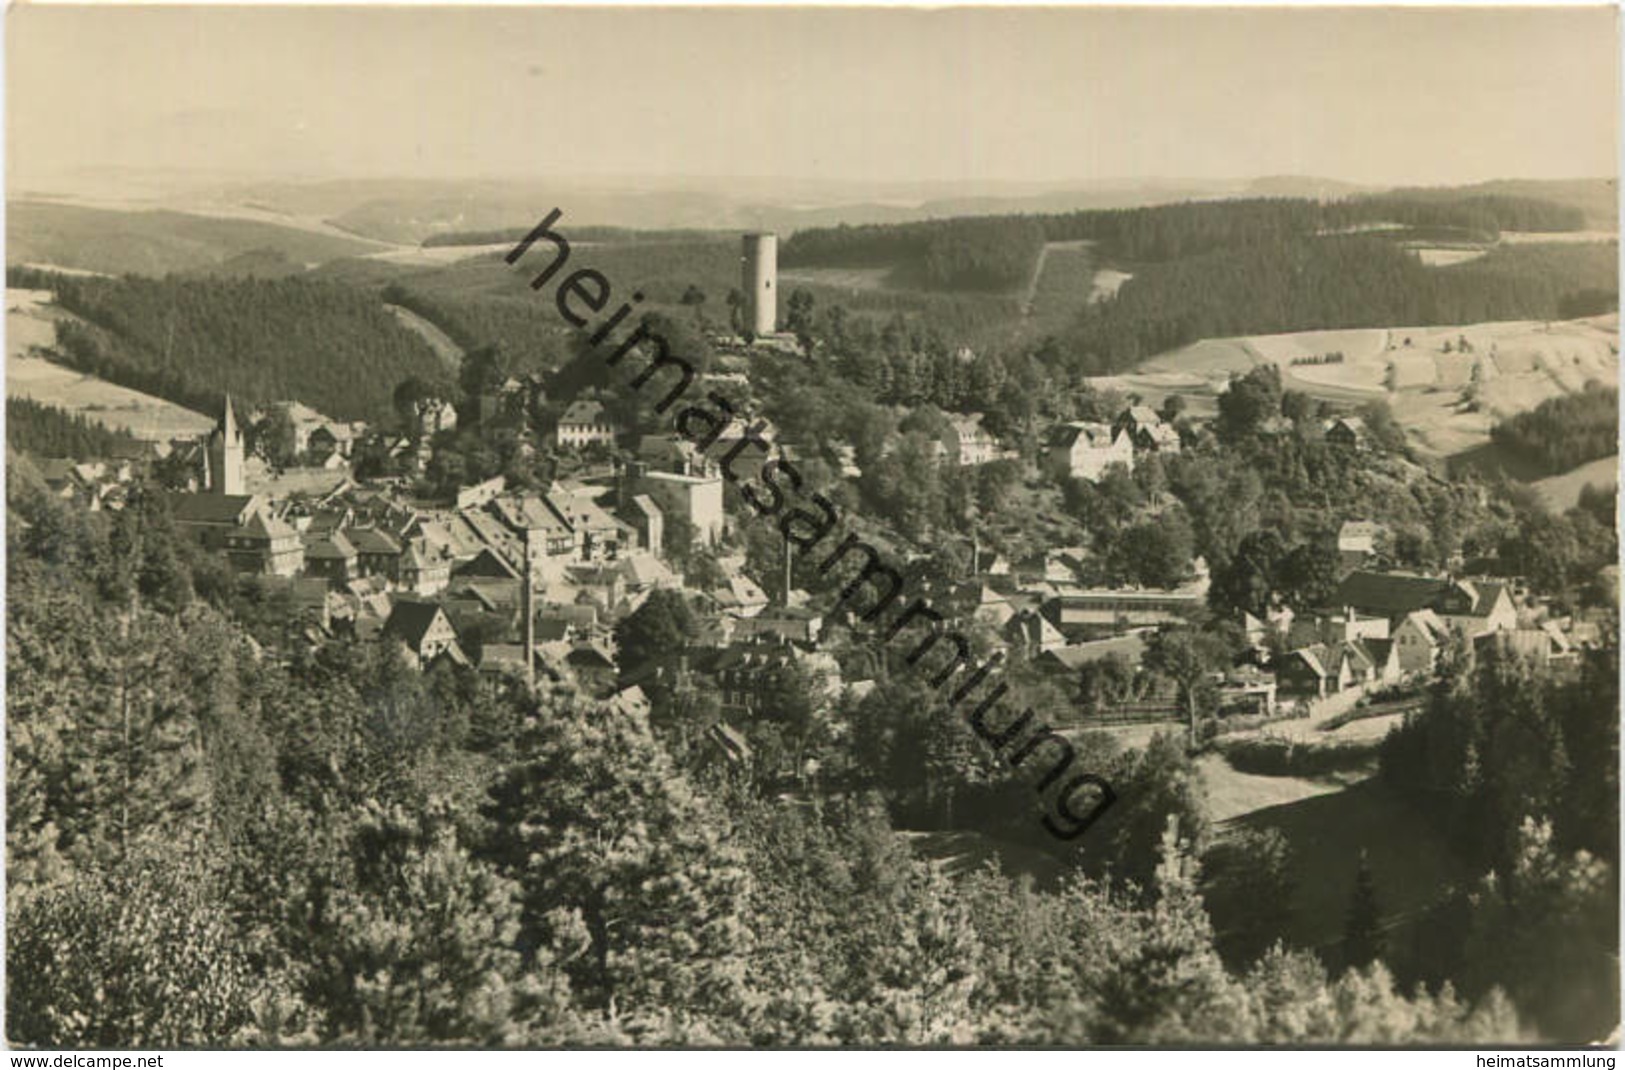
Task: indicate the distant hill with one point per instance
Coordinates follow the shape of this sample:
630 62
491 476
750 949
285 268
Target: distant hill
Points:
119 242
1598 198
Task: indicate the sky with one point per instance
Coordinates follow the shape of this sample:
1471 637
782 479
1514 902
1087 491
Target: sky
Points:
1380 96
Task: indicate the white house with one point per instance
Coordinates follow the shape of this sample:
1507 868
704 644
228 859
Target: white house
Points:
1084 450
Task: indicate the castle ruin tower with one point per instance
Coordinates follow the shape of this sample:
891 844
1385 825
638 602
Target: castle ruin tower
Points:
224 455
760 276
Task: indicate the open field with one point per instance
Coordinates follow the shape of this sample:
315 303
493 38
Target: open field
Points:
838 278
1564 237
1445 256
440 255
1558 493
30 326
1106 283
1329 824
1508 368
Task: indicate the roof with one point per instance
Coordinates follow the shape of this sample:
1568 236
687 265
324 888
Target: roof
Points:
643 570
1318 657
583 412
411 621
189 508
1429 622
530 511
1095 435
56 469
1143 415
1389 593
330 547
646 505
373 541
731 741
502 657
1130 646
1487 594
261 525
1379 649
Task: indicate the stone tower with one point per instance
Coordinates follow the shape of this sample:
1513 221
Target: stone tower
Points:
758 279
225 455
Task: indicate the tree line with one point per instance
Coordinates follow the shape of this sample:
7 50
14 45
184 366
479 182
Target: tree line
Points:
1564 432
47 431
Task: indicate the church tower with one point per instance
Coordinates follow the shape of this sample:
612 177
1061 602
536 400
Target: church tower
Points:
225 455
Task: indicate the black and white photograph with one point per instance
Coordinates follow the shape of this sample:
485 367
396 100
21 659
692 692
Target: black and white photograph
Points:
811 527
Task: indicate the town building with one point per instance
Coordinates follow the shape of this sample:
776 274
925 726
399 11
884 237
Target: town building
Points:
585 423
966 442
1085 450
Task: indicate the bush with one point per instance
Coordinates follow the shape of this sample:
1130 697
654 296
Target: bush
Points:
1277 756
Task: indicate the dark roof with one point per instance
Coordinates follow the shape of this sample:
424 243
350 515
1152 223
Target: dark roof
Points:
57 469
411 621
583 412
333 547
1389 593
209 508
373 541
489 564
261 525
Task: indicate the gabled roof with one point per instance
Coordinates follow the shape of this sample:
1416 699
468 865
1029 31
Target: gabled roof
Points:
1131 646
502 657
1355 651
530 511
261 525
644 570
1318 657
373 541
57 469
1430 624
583 412
487 563
211 508
411 621
330 548
1142 415
1486 596
733 744
1389 593
1094 434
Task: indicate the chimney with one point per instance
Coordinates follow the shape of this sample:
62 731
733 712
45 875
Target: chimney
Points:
787 573
529 608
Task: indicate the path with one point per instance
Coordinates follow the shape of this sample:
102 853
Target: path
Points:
449 352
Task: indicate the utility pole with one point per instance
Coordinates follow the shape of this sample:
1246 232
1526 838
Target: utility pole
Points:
529 607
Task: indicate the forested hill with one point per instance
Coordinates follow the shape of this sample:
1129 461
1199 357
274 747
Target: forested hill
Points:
330 346
996 251
1352 281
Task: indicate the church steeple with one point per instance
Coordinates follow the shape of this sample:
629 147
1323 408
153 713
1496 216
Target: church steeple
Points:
225 455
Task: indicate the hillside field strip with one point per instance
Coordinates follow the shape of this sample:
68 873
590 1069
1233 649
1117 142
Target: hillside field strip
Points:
1446 401
31 327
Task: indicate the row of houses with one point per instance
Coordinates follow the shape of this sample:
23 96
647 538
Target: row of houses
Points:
1390 626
